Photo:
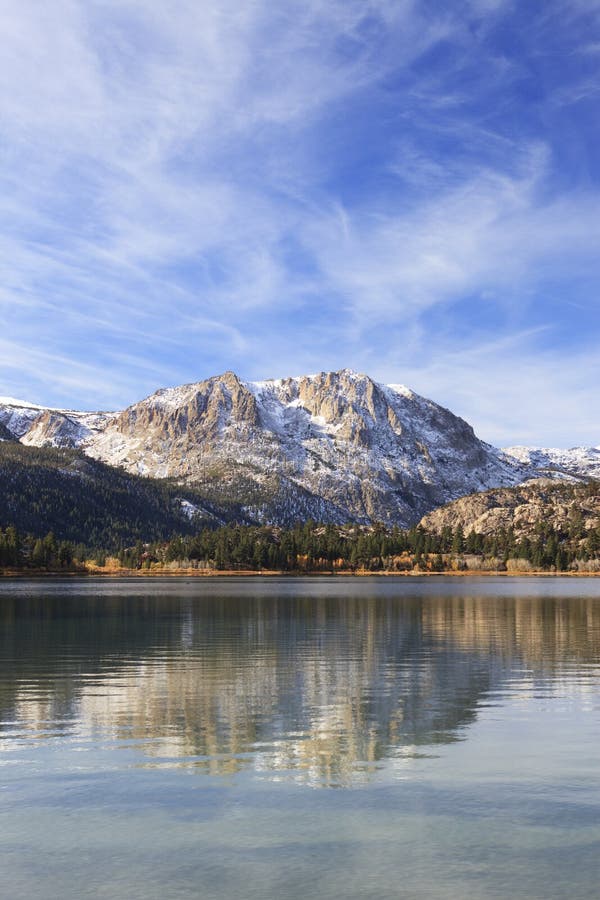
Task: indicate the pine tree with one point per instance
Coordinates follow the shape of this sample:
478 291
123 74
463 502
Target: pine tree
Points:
458 540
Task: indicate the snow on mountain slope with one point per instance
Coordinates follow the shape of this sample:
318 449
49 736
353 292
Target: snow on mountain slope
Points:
582 461
40 426
335 446
17 415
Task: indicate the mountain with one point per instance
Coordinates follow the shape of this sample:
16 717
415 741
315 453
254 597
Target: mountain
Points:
564 506
582 461
39 426
336 446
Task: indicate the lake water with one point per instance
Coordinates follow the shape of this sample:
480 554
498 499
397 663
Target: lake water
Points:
266 739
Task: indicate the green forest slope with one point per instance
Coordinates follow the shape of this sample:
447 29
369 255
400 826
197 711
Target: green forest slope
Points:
85 501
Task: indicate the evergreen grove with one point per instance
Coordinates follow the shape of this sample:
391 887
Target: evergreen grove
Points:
312 547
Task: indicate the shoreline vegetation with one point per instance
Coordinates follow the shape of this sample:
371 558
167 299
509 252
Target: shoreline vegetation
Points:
314 549
161 572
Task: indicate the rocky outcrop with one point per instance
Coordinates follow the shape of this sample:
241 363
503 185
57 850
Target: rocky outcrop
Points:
521 508
42 427
196 412
54 429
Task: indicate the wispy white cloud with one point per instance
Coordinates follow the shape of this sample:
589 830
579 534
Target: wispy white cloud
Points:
272 188
539 392
492 234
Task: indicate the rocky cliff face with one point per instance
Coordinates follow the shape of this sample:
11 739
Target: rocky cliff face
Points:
521 508
54 429
336 446
41 427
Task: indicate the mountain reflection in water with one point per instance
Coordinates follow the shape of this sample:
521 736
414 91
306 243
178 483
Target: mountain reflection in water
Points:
305 680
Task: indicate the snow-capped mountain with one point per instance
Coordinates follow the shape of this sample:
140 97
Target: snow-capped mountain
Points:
39 426
583 461
334 446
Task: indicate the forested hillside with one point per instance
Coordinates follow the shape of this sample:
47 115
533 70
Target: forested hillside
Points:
85 501
5 434
58 507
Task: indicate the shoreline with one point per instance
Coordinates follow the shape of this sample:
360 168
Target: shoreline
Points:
272 573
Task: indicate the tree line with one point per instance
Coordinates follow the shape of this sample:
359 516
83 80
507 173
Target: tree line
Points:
313 547
320 547
19 551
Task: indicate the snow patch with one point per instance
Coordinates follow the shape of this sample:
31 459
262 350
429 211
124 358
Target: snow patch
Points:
402 390
190 510
21 404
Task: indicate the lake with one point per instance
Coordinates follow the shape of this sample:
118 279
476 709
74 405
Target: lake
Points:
294 738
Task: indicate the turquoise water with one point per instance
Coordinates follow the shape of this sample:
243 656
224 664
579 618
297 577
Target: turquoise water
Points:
300 738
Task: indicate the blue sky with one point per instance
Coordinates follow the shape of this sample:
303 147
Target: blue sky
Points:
409 189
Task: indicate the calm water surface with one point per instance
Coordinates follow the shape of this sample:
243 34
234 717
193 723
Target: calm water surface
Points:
300 738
